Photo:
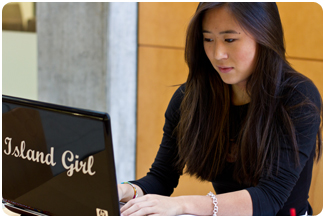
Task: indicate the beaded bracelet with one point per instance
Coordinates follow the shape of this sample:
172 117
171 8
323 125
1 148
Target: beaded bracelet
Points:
215 203
134 188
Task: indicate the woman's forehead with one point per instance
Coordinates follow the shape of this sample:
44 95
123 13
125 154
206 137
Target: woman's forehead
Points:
220 19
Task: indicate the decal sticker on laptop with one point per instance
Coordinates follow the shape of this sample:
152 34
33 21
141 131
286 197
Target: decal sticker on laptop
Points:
42 158
101 212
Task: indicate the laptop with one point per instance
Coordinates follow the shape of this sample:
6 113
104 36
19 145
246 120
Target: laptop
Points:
57 160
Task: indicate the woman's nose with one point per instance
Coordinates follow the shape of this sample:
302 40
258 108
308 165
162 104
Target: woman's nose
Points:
220 52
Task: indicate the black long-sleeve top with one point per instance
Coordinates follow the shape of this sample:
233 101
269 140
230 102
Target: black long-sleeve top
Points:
288 189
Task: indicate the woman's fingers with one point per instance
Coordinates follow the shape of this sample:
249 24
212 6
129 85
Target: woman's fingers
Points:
139 206
151 205
132 202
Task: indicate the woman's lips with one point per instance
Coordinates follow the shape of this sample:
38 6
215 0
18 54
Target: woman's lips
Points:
225 69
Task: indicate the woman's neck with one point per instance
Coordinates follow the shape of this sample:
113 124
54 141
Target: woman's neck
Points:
239 95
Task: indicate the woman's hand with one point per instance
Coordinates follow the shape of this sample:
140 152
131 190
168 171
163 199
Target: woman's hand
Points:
153 205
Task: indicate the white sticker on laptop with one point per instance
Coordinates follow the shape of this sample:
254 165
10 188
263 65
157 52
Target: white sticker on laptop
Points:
101 212
40 157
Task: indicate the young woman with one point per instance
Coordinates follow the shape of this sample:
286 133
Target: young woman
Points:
244 120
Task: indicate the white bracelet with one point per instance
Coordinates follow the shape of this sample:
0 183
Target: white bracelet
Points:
215 203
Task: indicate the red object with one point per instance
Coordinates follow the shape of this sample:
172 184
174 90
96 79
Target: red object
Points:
293 212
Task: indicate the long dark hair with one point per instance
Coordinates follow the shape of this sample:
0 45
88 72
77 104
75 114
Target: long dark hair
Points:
203 130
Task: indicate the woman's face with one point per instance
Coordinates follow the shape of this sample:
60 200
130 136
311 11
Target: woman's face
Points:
230 49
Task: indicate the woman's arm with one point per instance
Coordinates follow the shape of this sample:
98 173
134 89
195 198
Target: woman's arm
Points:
234 203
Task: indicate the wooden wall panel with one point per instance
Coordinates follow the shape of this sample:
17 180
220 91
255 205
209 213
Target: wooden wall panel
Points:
162 28
303 29
164 23
159 70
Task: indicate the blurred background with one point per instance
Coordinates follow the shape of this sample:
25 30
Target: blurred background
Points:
124 58
19 49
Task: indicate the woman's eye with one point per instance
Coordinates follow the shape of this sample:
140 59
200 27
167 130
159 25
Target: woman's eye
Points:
208 40
229 40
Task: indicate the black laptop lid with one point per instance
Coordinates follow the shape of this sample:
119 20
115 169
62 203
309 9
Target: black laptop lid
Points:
57 160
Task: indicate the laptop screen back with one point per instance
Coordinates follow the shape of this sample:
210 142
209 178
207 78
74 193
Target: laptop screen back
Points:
57 160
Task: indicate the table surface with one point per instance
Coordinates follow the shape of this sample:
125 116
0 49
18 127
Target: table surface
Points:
8 212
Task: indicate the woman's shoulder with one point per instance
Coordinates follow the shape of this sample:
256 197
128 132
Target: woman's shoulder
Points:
180 91
176 100
178 95
300 88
